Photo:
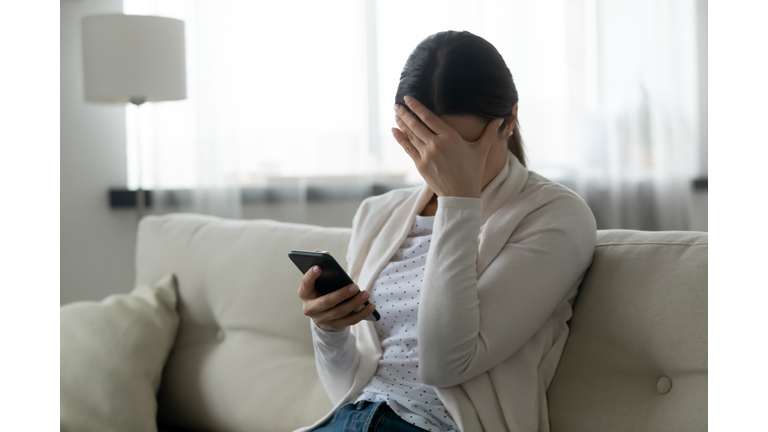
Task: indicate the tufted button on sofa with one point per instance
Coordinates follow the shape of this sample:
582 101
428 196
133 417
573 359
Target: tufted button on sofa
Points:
664 385
635 360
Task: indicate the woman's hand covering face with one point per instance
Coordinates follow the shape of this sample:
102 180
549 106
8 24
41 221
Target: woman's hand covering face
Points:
450 165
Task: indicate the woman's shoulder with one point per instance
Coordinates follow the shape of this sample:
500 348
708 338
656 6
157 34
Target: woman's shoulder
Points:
554 194
552 203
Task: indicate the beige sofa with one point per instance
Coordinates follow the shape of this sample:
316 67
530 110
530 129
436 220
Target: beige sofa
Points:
636 359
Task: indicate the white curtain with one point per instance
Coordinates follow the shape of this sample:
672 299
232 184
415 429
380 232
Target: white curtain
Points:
302 89
275 90
634 150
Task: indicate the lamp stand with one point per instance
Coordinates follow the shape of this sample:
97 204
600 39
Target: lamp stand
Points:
140 195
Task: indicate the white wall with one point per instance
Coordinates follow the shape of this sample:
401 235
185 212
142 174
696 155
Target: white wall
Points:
699 211
700 199
97 243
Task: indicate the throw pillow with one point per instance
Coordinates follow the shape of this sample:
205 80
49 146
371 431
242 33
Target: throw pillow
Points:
112 357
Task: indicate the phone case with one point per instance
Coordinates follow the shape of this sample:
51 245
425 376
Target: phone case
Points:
332 278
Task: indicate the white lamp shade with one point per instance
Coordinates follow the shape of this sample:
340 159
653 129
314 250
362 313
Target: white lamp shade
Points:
130 57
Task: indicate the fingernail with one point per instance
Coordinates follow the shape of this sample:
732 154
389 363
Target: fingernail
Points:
353 288
396 106
500 121
407 99
316 269
365 295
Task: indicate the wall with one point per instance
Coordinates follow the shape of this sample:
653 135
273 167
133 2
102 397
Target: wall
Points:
700 199
96 242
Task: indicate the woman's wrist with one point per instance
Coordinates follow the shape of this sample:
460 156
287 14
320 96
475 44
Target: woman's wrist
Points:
460 202
328 335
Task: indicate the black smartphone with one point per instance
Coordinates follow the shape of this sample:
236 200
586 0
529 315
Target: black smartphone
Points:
333 277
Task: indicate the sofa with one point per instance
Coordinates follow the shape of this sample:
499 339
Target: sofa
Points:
243 360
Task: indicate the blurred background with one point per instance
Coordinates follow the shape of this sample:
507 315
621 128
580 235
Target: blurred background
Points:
288 111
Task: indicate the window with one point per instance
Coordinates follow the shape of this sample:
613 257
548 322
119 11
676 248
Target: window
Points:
298 88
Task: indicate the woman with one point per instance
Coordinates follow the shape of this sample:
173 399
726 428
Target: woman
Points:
473 324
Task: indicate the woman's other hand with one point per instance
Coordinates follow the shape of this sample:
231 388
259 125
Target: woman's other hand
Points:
450 165
328 312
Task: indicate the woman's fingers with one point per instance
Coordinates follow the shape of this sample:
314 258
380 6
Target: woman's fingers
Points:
417 142
307 287
327 310
491 131
323 303
418 128
342 309
356 317
405 143
330 300
428 117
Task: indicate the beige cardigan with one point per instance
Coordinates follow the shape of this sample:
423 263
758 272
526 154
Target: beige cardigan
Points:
500 279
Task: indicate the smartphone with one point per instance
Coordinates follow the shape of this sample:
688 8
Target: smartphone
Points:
333 277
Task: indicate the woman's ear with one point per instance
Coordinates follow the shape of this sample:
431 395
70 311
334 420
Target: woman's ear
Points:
510 123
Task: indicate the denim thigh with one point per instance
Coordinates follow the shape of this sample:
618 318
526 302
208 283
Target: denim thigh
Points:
353 417
366 416
389 421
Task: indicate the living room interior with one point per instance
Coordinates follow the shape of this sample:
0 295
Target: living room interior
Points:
264 128
636 185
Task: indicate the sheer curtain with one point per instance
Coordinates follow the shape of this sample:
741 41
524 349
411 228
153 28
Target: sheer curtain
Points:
635 151
300 89
275 90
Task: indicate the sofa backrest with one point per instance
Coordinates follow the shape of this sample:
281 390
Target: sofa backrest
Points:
243 358
636 356
243 354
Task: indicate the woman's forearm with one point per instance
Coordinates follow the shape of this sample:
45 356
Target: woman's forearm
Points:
448 307
468 326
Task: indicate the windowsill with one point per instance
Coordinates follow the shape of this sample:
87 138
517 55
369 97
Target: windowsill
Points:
284 194
274 194
700 184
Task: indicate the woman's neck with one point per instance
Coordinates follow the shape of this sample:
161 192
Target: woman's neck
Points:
431 208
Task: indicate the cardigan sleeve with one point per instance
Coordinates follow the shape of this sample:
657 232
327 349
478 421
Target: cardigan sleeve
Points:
336 354
468 325
336 360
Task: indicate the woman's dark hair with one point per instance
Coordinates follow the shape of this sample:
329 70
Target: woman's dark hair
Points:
460 73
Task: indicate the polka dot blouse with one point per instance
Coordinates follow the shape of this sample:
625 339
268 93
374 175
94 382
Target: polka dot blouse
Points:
396 295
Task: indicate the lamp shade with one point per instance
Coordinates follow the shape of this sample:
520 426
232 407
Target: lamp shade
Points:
132 57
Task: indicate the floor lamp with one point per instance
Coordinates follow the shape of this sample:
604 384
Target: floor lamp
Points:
134 59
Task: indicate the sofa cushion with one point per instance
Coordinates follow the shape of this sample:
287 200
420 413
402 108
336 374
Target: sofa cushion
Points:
112 355
243 359
636 357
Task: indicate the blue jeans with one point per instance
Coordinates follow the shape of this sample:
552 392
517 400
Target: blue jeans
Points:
366 416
